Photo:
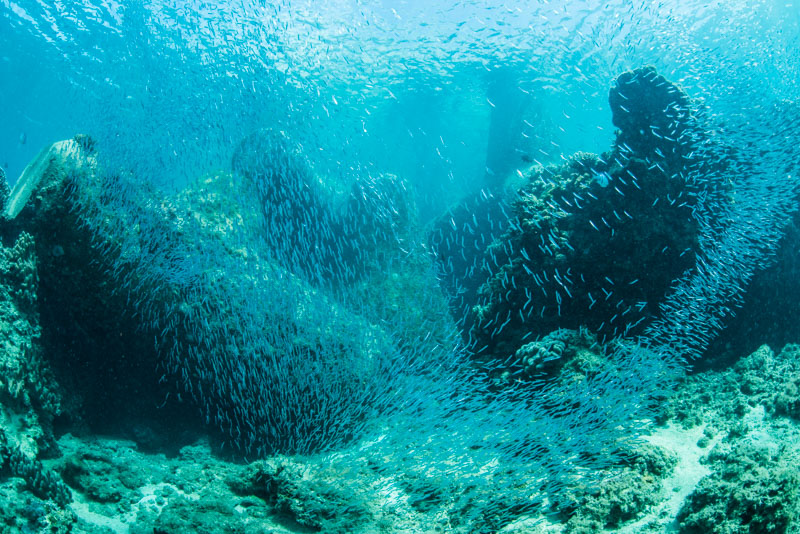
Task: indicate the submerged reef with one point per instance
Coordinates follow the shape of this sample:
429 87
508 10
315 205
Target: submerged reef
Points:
752 489
267 313
588 246
598 241
750 433
266 357
623 244
325 235
93 342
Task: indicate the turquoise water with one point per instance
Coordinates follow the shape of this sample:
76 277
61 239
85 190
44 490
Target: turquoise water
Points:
396 88
480 242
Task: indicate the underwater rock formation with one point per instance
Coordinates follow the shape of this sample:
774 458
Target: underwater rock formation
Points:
267 359
752 489
30 398
33 400
459 240
654 117
326 236
4 190
289 317
598 241
89 336
748 413
654 240
42 482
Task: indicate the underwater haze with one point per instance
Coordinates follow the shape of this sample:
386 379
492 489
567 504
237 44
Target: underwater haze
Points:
372 86
400 266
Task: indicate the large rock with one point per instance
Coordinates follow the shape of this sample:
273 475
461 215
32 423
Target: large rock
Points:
598 241
147 299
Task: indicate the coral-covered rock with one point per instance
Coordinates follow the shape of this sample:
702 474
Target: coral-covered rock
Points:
653 115
5 191
135 286
598 242
752 489
594 243
40 481
312 498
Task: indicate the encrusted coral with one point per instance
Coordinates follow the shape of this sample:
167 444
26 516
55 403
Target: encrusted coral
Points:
599 241
41 482
751 489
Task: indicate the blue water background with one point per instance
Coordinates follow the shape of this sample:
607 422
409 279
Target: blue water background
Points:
169 88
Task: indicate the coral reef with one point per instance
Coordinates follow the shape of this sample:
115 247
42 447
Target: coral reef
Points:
90 338
596 242
283 314
5 190
41 482
746 413
634 243
268 357
459 239
604 262
763 378
752 489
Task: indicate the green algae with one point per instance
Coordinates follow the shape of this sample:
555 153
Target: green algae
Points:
752 489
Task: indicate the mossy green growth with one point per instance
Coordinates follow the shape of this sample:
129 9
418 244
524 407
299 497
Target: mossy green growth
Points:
310 498
752 489
763 378
632 490
595 242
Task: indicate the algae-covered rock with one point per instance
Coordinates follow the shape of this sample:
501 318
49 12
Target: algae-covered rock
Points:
653 115
751 489
39 480
31 398
628 495
597 241
101 477
604 262
22 512
309 496
745 410
87 332
762 378
5 191
138 300
118 486
618 501
772 380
